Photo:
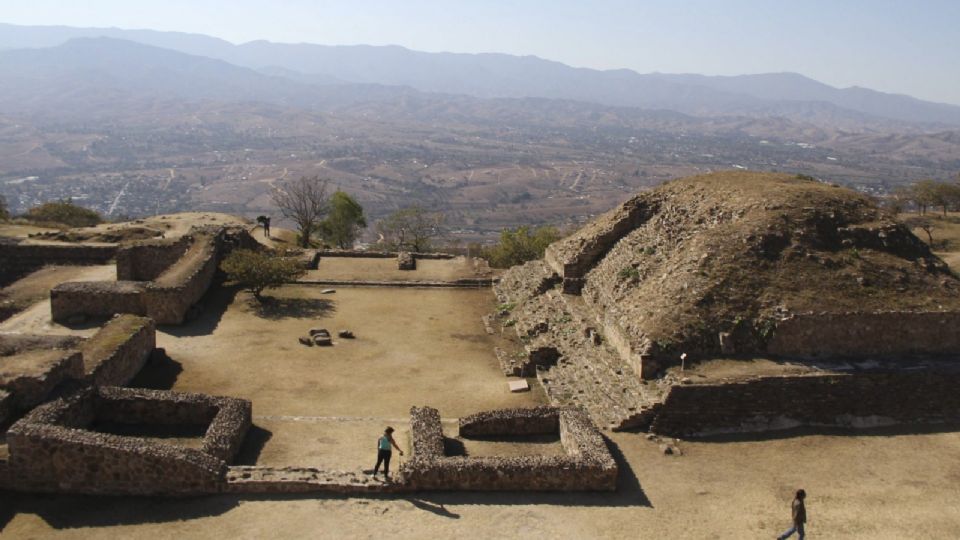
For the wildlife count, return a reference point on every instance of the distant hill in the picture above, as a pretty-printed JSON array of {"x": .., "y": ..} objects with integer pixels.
[
  {"x": 500, "y": 75},
  {"x": 105, "y": 76}
]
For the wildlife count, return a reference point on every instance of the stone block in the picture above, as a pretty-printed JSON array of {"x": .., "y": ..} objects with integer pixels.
[
  {"x": 519, "y": 386},
  {"x": 406, "y": 261}
]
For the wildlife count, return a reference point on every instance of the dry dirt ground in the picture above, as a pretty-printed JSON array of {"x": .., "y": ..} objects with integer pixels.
[{"x": 325, "y": 406}]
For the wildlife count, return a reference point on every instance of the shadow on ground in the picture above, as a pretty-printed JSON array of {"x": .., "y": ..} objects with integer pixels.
[
  {"x": 211, "y": 309},
  {"x": 806, "y": 431},
  {"x": 159, "y": 373},
  {"x": 276, "y": 309},
  {"x": 252, "y": 446},
  {"x": 73, "y": 511}
]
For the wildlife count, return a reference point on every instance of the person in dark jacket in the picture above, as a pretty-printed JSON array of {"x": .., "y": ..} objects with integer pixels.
[{"x": 799, "y": 512}]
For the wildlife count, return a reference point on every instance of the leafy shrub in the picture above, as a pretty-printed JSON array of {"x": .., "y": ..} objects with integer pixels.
[
  {"x": 259, "y": 270},
  {"x": 64, "y": 212},
  {"x": 517, "y": 246},
  {"x": 628, "y": 273}
]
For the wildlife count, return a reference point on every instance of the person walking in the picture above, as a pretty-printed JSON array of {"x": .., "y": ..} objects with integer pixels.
[
  {"x": 799, "y": 513},
  {"x": 385, "y": 445}
]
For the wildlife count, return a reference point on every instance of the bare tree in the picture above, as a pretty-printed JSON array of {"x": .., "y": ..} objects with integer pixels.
[
  {"x": 412, "y": 228},
  {"x": 305, "y": 202}
]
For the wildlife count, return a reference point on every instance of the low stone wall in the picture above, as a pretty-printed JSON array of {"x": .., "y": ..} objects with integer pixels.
[
  {"x": 115, "y": 354},
  {"x": 96, "y": 299},
  {"x": 535, "y": 421},
  {"x": 588, "y": 465},
  {"x": 167, "y": 298},
  {"x": 31, "y": 376},
  {"x": 52, "y": 451},
  {"x": 866, "y": 335},
  {"x": 380, "y": 254},
  {"x": 273, "y": 480},
  {"x": 19, "y": 259},
  {"x": 183, "y": 285},
  {"x": 147, "y": 260},
  {"x": 11, "y": 344},
  {"x": 922, "y": 394}
]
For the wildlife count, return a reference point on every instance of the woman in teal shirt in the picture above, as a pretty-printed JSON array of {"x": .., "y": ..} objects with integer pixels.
[{"x": 384, "y": 451}]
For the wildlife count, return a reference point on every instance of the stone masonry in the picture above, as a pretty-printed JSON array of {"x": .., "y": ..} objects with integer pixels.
[
  {"x": 588, "y": 465},
  {"x": 52, "y": 449}
]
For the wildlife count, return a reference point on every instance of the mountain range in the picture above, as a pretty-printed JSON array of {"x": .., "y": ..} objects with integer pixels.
[{"x": 36, "y": 61}]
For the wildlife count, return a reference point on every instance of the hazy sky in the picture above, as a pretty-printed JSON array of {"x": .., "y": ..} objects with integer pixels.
[{"x": 910, "y": 47}]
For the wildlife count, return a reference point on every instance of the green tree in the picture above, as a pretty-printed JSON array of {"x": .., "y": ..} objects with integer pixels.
[
  {"x": 259, "y": 270},
  {"x": 517, "y": 246},
  {"x": 344, "y": 221},
  {"x": 411, "y": 229},
  {"x": 64, "y": 212},
  {"x": 4, "y": 212}
]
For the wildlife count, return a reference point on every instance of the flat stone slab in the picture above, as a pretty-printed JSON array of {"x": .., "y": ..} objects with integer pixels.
[
  {"x": 519, "y": 386},
  {"x": 252, "y": 479}
]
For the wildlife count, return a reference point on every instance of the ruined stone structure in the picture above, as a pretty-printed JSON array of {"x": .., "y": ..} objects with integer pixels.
[
  {"x": 587, "y": 465},
  {"x": 721, "y": 265},
  {"x": 160, "y": 279},
  {"x": 115, "y": 354},
  {"x": 56, "y": 448},
  {"x": 33, "y": 367},
  {"x": 18, "y": 258},
  {"x": 839, "y": 395}
]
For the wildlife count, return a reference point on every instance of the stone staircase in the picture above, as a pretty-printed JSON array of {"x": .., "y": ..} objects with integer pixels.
[
  {"x": 573, "y": 364},
  {"x": 597, "y": 380}
]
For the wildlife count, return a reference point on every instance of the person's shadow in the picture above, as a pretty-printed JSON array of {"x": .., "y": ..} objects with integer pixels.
[{"x": 433, "y": 508}]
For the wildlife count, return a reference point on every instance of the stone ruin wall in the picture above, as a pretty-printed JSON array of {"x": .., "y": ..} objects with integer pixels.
[
  {"x": 167, "y": 302},
  {"x": 147, "y": 260},
  {"x": 52, "y": 451},
  {"x": 354, "y": 254},
  {"x": 866, "y": 335},
  {"x": 572, "y": 257},
  {"x": 535, "y": 421},
  {"x": 28, "y": 390},
  {"x": 856, "y": 399},
  {"x": 96, "y": 299},
  {"x": 588, "y": 465},
  {"x": 115, "y": 354},
  {"x": 19, "y": 259},
  {"x": 165, "y": 299}
]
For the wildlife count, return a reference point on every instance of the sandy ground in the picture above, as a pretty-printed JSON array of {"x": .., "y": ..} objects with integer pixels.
[
  {"x": 386, "y": 270},
  {"x": 412, "y": 347},
  {"x": 36, "y": 318},
  {"x": 879, "y": 486},
  {"x": 325, "y": 406}
]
